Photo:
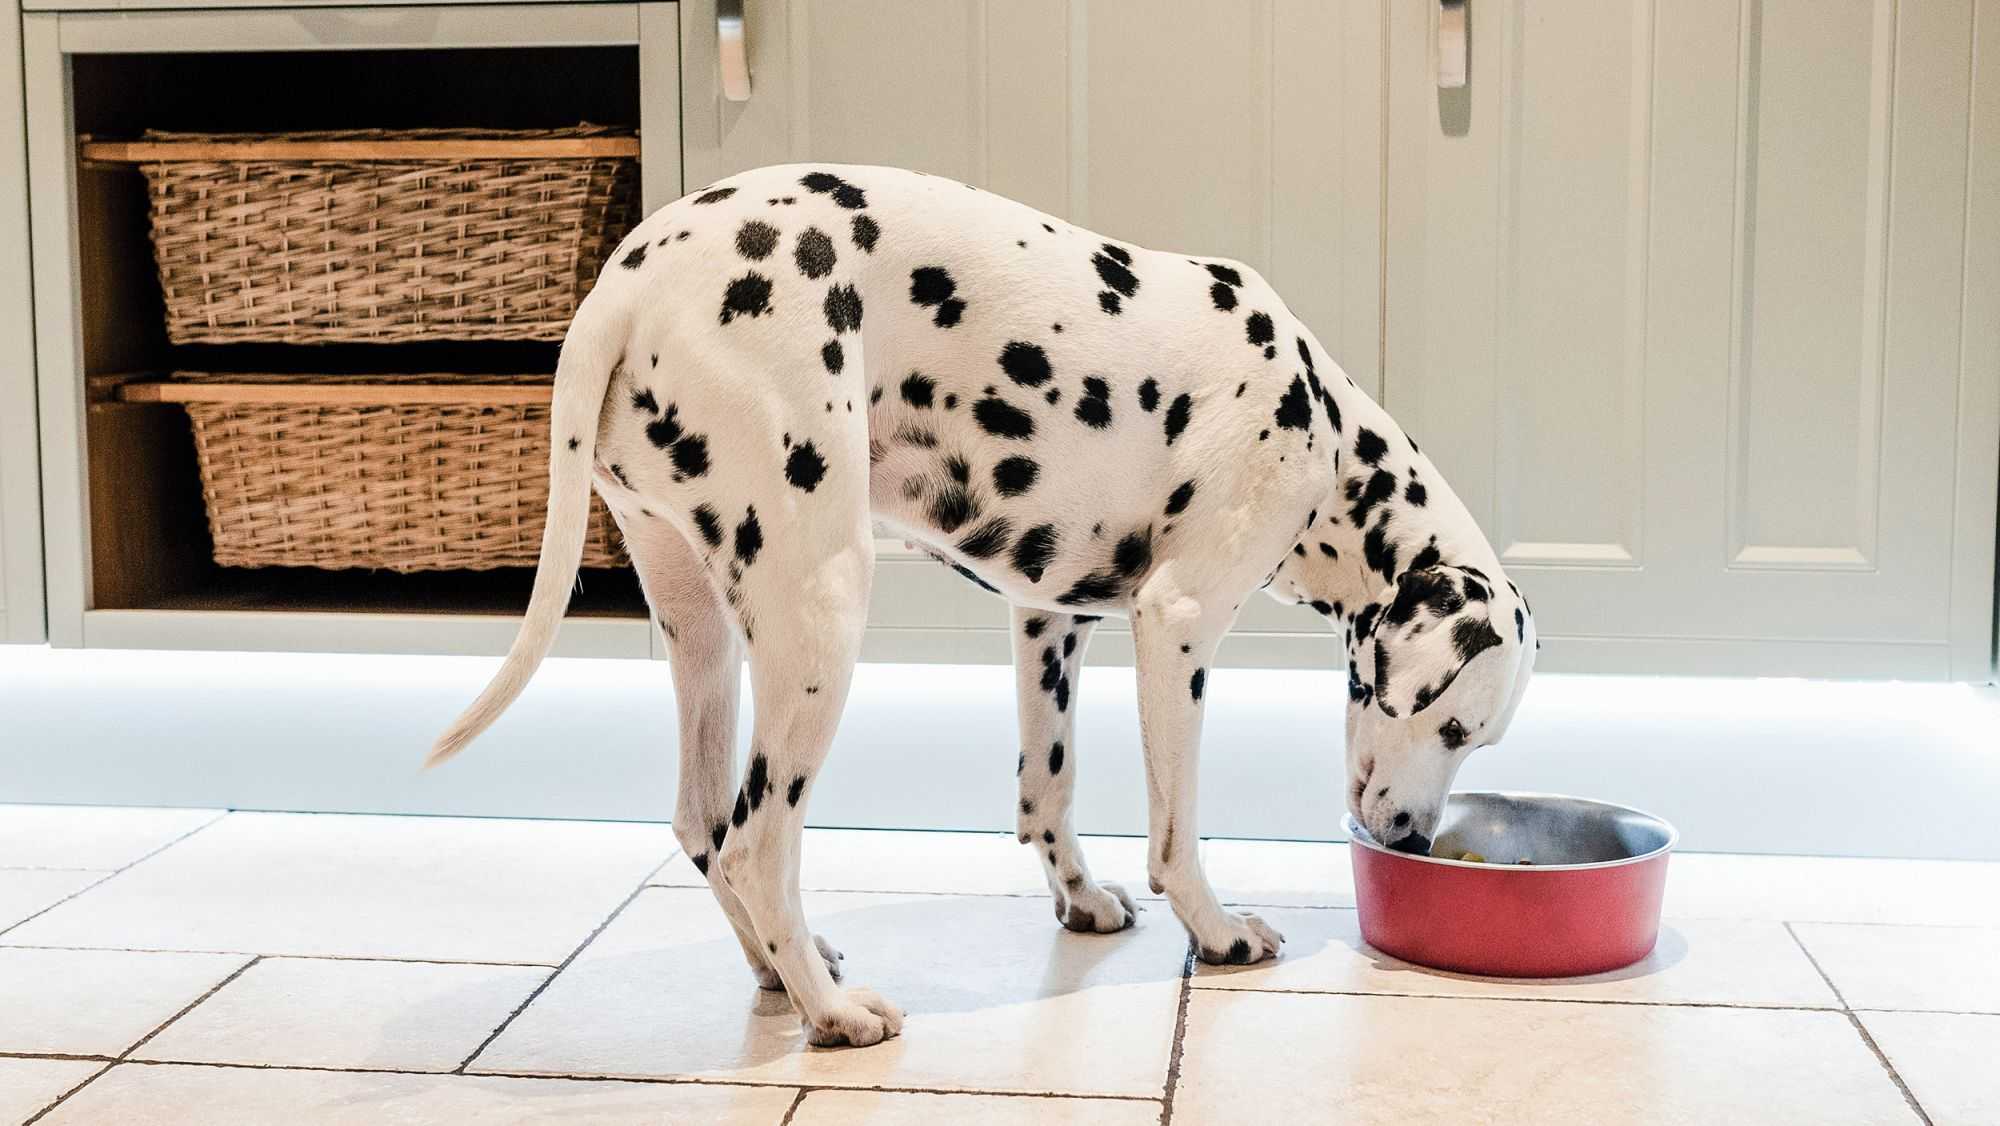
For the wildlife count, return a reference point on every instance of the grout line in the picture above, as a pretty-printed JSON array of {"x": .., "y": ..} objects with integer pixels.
[
  {"x": 188, "y": 1008},
  {"x": 115, "y": 871},
  {"x": 1027, "y": 893},
  {"x": 88, "y": 1080},
  {"x": 1847, "y": 1010},
  {"x": 644, "y": 883},
  {"x": 663, "y": 1080},
  {"x": 51, "y": 868},
  {"x": 1180, "y": 1035},
  {"x": 793, "y": 1109},
  {"x": 290, "y": 957}
]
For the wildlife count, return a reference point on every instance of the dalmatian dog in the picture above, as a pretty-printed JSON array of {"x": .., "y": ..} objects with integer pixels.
[{"x": 1083, "y": 427}]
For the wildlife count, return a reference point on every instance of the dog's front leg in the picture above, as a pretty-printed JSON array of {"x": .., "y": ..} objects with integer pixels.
[
  {"x": 1048, "y": 664},
  {"x": 1174, "y": 637}
]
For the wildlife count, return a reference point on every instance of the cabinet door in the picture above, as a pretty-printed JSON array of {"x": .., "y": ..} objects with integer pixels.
[
  {"x": 1248, "y": 130},
  {"x": 1685, "y": 299},
  {"x": 20, "y": 501}
]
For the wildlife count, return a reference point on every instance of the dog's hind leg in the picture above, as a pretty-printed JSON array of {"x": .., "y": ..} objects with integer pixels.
[
  {"x": 707, "y": 664},
  {"x": 805, "y": 584},
  {"x": 1048, "y": 664}
]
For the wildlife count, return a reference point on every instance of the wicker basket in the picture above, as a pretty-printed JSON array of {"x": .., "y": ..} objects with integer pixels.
[
  {"x": 381, "y": 235},
  {"x": 402, "y": 473}
]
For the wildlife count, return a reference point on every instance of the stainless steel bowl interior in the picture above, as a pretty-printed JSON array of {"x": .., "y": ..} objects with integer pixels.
[{"x": 1550, "y": 830}]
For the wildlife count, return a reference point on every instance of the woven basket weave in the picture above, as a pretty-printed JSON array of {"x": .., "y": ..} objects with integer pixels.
[
  {"x": 369, "y": 478},
  {"x": 424, "y": 242}
]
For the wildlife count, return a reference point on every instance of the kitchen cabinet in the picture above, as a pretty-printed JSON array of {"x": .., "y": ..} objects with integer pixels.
[
  {"x": 1696, "y": 306},
  {"x": 20, "y": 487}
]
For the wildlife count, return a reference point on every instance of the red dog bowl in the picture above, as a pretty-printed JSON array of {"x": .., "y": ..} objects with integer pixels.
[{"x": 1588, "y": 901}]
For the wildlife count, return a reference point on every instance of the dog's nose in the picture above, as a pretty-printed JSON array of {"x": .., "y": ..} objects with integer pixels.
[{"x": 1415, "y": 843}]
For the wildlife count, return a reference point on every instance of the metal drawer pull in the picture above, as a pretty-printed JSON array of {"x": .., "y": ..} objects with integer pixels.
[
  {"x": 731, "y": 52},
  {"x": 1451, "y": 44}
]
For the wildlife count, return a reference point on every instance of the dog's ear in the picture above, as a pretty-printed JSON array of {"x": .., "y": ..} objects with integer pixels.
[{"x": 1431, "y": 626}]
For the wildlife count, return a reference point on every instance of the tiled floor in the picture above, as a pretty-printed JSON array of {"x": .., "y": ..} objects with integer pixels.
[{"x": 187, "y": 966}]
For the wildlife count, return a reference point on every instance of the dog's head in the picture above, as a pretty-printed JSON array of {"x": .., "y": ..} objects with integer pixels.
[{"x": 1435, "y": 669}]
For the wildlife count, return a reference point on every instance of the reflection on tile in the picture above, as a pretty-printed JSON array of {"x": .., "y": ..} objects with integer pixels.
[
  {"x": 1949, "y": 969},
  {"x": 26, "y": 1086},
  {"x": 454, "y": 889},
  {"x": 936, "y": 863},
  {"x": 97, "y": 1002},
  {"x": 1703, "y": 961},
  {"x": 1000, "y": 998},
  {"x": 1254, "y": 1057},
  {"x": 903, "y": 1108},
  {"x": 173, "y": 1094},
  {"x": 1292, "y": 873},
  {"x": 89, "y": 836},
  {"x": 419, "y": 1016},
  {"x": 25, "y": 891},
  {"x": 1946, "y": 1059},
  {"x": 1833, "y": 889}
]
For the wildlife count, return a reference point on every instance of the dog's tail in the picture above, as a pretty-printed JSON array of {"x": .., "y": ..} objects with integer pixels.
[{"x": 590, "y": 355}]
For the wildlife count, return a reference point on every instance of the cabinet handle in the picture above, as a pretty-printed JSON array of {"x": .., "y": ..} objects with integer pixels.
[
  {"x": 730, "y": 50},
  {"x": 1451, "y": 44}
]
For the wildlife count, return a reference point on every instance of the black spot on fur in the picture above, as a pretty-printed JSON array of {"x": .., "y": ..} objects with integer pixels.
[
  {"x": 634, "y": 259},
  {"x": 865, "y": 233},
  {"x": 1178, "y": 502},
  {"x": 1380, "y": 550},
  {"x": 797, "y": 788},
  {"x": 747, "y": 296},
  {"x": 1521, "y": 626},
  {"x": 843, "y": 308},
  {"x": 1034, "y": 550},
  {"x": 1453, "y": 734},
  {"x": 1025, "y": 363},
  {"x": 690, "y": 457},
  {"x": 1015, "y": 475},
  {"x": 1002, "y": 419},
  {"x": 742, "y": 811},
  {"x": 1197, "y": 683},
  {"x": 756, "y": 240},
  {"x": 1055, "y": 758},
  {"x": 1472, "y": 636},
  {"x": 814, "y": 255},
  {"x": 1033, "y": 627},
  {"x": 833, "y": 356},
  {"x": 575, "y": 442},
  {"x": 1098, "y": 586},
  {"x": 716, "y": 196},
  {"x": 1295, "y": 410},
  {"x": 952, "y": 508},
  {"x": 1258, "y": 327},
  {"x": 805, "y": 468},
  {"x": 1426, "y": 557},
  {"x": 931, "y": 286},
  {"x": 1378, "y": 488},
  {"x": 1051, "y": 669},
  {"x": 1094, "y": 409},
  {"x": 1322, "y": 607},
  {"x": 1133, "y": 554},
  {"x": 1109, "y": 302},
  {"x": 917, "y": 389},
  {"x": 665, "y": 430},
  {"x": 988, "y": 541},
  {"x": 706, "y": 523},
  {"x": 701, "y": 863},
  {"x": 1416, "y": 494},
  {"x": 1149, "y": 395},
  {"x": 844, "y": 193},
  {"x": 718, "y": 834},
  {"x": 1426, "y": 589},
  {"x": 976, "y": 580},
  {"x": 759, "y": 782},
  {"x": 1113, "y": 267},
  {"x": 1223, "y": 296},
  {"x": 1369, "y": 446},
  {"x": 1224, "y": 274},
  {"x": 749, "y": 537},
  {"x": 1069, "y": 644},
  {"x": 1177, "y": 416},
  {"x": 1062, "y": 694}
]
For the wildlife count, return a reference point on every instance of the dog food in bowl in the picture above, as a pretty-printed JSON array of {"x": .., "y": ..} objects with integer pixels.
[{"x": 1518, "y": 885}]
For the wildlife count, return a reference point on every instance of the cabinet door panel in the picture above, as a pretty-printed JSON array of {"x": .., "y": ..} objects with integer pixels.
[{"x": 1675, "y": 299}]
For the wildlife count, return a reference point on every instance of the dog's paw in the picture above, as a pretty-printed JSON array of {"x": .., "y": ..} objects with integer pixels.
[
  {"x": 767, "y": 978},
  {"x": 1251, "y": 940},
  {"x": 861, "y": 1019},
  {"x": 1098, "y": 909}
]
